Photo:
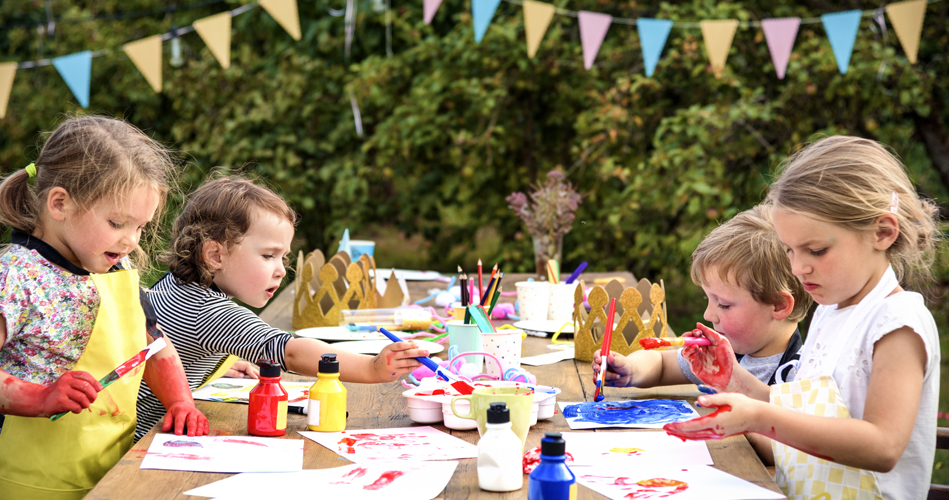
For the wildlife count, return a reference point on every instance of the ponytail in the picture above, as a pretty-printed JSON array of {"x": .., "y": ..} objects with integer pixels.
[{"x": 19, "y": 207}]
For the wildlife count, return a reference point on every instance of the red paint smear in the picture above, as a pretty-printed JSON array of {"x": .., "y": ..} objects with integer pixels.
[
  {"x": 436, "y": 392},
  {"x": 137, "y": 453},
  {"x": 384, "y": 480},
  {"x": 699, "y": 435},
  {"x": 183, "y": 456},
  {"x": 243, "y": 441},
  {"x": 131, "y": 363},
  {"x": 353, "y": 474},
  {"x": 301, "y": 398},
  {"x": 389, "y": 358},
  {"x": 532, "y": 458},
  {"x": 652, "y": 343}
]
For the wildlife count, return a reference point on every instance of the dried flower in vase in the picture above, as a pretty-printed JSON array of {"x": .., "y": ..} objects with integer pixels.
[{"x": 548, "y": 214}]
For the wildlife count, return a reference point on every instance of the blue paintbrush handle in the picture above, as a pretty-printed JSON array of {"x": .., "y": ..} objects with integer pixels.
[{"x": 431, "y": 365}]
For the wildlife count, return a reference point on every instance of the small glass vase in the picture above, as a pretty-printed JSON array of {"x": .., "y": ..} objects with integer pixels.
[{"x": 547, "y": 247}]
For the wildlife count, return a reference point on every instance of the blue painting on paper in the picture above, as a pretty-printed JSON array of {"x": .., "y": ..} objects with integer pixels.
[{"x": 645, "y": 413}]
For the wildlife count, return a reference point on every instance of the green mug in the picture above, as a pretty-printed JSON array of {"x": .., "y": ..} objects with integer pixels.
[{"x": 519, "y": 400}]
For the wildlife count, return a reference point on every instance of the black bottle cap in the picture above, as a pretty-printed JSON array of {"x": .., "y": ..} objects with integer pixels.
[
  {"x": 328, "y": 364},
  {"x": 553, "y": 444},
  {"x": 268, "y": 368},
  {"x": 498, "y": 413}
]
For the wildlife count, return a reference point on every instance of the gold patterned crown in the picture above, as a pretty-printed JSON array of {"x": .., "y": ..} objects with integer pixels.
[
  {"x": 638, "y": 319},
  {"x": 320, "y": 297}
]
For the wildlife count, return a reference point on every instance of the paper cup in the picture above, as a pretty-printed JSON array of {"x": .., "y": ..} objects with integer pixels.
[
  {"x": 506, "y": 346},
  {"x": 533, "y": 299},
  {"x": 359, "y": 247},
  {"x": 468, "y": 339},
  {"x": 561, "y": 302}
]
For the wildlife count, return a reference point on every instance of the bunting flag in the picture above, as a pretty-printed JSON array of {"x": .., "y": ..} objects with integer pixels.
[
  {"x": 841, "y": 28},
  {"x": 537, "y": 17},
  {"x": 216, "y": 33},
  {"x": 780, "y": 35},
  {"x": 285, "y": 13},
  {"x": 593, "y": 28},
  {"x": 718, "y": 36},
  {"x": 907, "y": 18},
  {"x": 481, "y": 13},
  {"x": 652, "y": 37},
  {"x": 429, "y": 9},
  {"x": 76, "y": 70},
  {"x": 7, "y": 72},
  {"x": 146, "y": 54}
]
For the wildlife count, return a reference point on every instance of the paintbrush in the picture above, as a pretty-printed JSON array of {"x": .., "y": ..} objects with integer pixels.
[
  {"x": 655, "y": 343},
  {"x": 124, "y": 368},
  {"x": 459, "y": 385},
  {"x": 605, "y": 351}
]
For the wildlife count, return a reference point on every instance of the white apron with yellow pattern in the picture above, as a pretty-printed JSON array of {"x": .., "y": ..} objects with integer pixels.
[
  {"x": 44, "y": 460},
  {"x": 814, "y": 392}
]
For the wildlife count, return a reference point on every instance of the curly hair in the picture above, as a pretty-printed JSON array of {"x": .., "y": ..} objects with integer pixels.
[{"x": 221, "y": 210}]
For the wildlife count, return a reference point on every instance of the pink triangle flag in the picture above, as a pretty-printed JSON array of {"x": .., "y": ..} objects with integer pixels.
[
  {"x": 593, "y": 27},
  {"x": 780, "y": 34},
  {"x": 429, "y": 8}
]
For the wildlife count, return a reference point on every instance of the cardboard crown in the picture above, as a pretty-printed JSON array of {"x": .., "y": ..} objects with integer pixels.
[{"x": 638, "y": 319}]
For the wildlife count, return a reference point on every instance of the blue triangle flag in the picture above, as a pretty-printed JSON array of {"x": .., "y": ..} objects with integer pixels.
[
  {"x": 841, "y": 28},
  {"x": 652, "y": 37},
  {"x": 481, "y": 13},
  {"x": 344, "y": 242},
  {"x": 76, "y": 70}
]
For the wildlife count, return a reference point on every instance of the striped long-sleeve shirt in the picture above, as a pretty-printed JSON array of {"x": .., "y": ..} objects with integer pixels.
[{"x": 205, "y": 326}]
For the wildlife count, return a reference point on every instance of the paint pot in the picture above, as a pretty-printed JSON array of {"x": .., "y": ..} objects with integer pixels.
[
  {"x": 327, "y": 412},
  {"x": 552, "y": 479},
  {"x": 267, "y": 403},
  {"x": 499, "y": 452},
  {"x": 458, "y": 423},
  {"x": 545, "y": 397}
]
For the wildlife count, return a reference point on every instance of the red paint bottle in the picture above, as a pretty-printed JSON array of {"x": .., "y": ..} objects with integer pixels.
[{"x": 267, "y": 411}]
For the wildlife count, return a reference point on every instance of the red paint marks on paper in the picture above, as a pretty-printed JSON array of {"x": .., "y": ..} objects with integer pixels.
[
  {"x": 348, "y": 478},
  {"x": 675, "y": 429},
  {"x": 243, "y": 441},
  {"x": 384, "y": 480},
  {"x": 182, "y": 456}
]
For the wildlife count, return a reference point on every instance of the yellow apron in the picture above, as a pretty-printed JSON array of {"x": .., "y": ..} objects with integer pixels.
[
  {"x": 806, "y": 477},
  {"x": 40, "y": 459}
]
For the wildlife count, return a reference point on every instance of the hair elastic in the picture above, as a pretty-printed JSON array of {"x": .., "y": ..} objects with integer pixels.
[
  {"x": 895, "y": 204},
  {"x": 30, "y": 170}
]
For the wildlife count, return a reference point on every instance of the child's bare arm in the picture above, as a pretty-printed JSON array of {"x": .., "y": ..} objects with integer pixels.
[
  {"x": 640, "y": 369},
  {"x": 395, "y": 360},
  {"x": 165, "y": 376},
  {"x": 874, "y": 442}
]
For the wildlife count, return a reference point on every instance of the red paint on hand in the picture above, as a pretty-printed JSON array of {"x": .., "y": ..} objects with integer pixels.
[
  {"x": 74, "y": 391},
  {"x": 712, "y": 364},
  {"x": 165, "y": 377},
  {"x": 675, "y": 429}
]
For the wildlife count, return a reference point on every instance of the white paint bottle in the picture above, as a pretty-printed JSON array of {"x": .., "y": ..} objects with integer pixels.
[{"x": 499, "y": 452}]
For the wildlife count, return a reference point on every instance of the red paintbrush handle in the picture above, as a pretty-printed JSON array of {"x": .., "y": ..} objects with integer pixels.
[{"x": 608, "y": 336}]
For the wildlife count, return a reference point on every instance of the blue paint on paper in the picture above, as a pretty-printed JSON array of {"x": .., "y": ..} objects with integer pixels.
[{"x": 647, "y": 411}]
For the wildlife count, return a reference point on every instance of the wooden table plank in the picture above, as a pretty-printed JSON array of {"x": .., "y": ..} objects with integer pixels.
[{"x": 374, "y": 406}]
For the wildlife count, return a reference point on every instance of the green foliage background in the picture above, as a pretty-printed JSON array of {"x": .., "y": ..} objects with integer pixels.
[{"x": 452, "y": 127}]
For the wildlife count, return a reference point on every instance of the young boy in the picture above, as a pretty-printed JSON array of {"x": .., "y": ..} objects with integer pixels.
[{"x": 753, "y": 300}]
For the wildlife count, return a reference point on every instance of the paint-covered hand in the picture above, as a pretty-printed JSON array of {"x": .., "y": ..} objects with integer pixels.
[
  {"x": 184, "y": 416},
  {"x": 619, "y": 371},
  {"x": 243, "y": 369},
  {"x": 713, "y": 363},
  {"x": 74, "y": 391},
  {"x": 395, "y": 360},
  {"x": 734, "y": 414}
]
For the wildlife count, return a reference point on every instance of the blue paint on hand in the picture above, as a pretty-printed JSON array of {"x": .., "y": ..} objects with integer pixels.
[{"x": 648, "y": 411}]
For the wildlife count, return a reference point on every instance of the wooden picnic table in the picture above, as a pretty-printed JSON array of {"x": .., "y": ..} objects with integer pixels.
[{"x": 376, "y": 406}]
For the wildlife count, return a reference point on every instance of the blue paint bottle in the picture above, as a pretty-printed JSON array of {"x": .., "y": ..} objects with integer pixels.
[{"x": 552, "y": 479}]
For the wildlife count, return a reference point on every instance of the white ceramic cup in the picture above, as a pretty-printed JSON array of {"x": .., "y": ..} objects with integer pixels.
[
  {"x": 504, "y": 345},
  {"x": 561, "y": 302},
  {"x": 533, "y": 300}
]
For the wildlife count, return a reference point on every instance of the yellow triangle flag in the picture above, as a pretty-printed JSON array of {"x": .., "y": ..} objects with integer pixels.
[
  {"x": 718, "y": 36},
  {"x": 907, "y": 18},
  {"x": 146, "y": 54},
  {"x": 537, "y": 16},
  {"x": 7, "y": 71},
  {"x": 285, "y": 13},
  {"x": 216, "y": 33}
]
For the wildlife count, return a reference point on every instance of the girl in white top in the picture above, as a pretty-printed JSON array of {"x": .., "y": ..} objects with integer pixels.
[{"x": 854, "y": 228}]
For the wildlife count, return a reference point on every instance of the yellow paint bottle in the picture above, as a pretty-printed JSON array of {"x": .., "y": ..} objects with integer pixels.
[{"x": 327, "y": 412}]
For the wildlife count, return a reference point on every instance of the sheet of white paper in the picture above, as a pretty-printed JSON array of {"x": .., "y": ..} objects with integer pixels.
[
  {"x": 548, "y": 358},
  {"x": 635, "y": 449},
  {"x": 227, "y": 454},
  {"x": 699, "y": 482},
  {"x": 401, "y": 443},
  {"x": 633, "y": 414},
  {"x": 237, "y": 390},
  {"x": 375, "y": 481}
]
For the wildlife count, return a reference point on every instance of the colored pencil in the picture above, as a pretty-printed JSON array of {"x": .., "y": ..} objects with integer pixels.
[
  {"x": 494, "y": 301},
  {"x": 480, "y": 280},
  {"x": 484, "y": 298},
  {"x": 576, "y": 274},
  {"x": 605, "y": 350}
]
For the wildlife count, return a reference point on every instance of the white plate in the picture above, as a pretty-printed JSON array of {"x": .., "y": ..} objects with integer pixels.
[
  {"x": 376, "y": 346},
  {"x": 543, "y": 326},
  {"x": 336, "y": 333}
]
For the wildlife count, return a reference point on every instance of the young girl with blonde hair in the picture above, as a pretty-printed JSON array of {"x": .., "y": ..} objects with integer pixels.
[
  {"x": 859, "y": 419},
  {"x": 72, "y": 309}
]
